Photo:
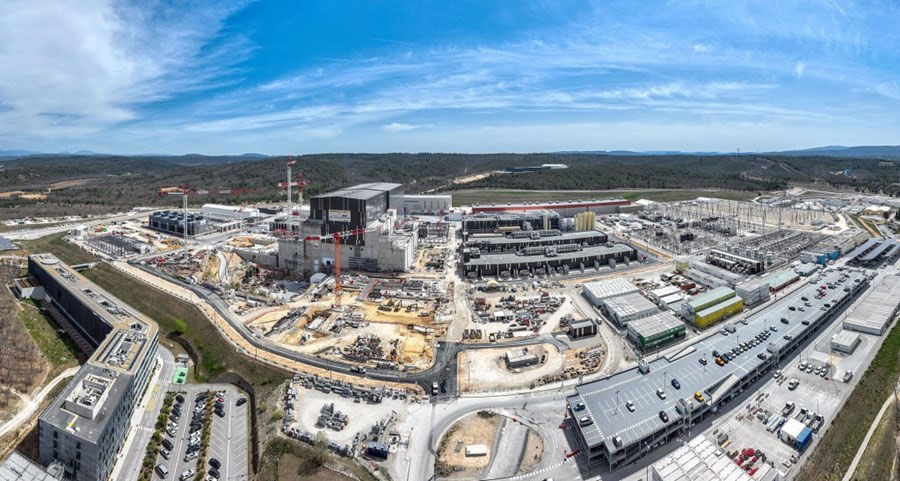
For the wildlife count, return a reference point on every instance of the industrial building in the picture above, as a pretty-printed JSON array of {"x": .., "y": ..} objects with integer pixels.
[
  {"x": 365, "y": 217},
  {"x": 549, "y": 260},
  {"x": 710, "y": 307},
  {"x": 598, "y": 291},
  {"x": 229, "y": 213},
  {"x": 735, "y": 262},
  {"x": 779, "y": 280},
  {"x": 567, "y": 208},
  {"x": 84, "y": 427},
  {"x": 585, "y": 328},
  {"x": 806, "y": 269},
  {"x": 655, "y": 331},
  {"x": 519, "y": 358},
  {"x": 658, "y": 294},
  {"x": 877, "y": 309},
  {"x": 753, "y": 291},
  {"x": 845, "y": 341},
  {"x": 628, "y": 307},
  {"x": 173, "y": 222},
  {"x": 607, "y": 434},
  {"x": 426, "y": 204},
  {"x": 486, "y": 223},
  {"x": 520, "y": 240}
]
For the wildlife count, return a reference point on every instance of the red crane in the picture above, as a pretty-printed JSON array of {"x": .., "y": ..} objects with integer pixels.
[
  {"x": 188, "y": 191},
  {"x": 337, "y": 238},
  {"x": 300, "y": 182}
]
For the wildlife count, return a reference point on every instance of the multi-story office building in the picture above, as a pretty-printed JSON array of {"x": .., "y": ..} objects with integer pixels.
[{"x": 85, "y": 426}]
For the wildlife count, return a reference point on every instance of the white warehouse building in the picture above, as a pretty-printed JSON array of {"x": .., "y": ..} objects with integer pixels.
[
  {"x": 426, "y": 204},
  {"x": 228, "y": 213}
]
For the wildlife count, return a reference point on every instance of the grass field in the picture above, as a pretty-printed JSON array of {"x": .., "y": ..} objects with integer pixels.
[
  {"x": 876, "y": 462},
  {"x": 839, "y": 443},
  {"x": 58, "y": 349},
  {"x": 54, "y": 244},
  {"x": 487, "y": 196},
  {"x": 174, "y": 316}
]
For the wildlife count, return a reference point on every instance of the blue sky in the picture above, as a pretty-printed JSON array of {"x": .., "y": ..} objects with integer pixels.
[{"x": 219, "y": 77}]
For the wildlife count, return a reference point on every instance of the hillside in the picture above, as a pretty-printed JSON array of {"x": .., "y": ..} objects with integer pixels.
[{"x": 55, "y": 185}]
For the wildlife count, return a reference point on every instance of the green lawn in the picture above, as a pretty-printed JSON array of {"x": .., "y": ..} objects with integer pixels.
[
  {"x": 487, "y": 196},
  {"x": 839, "y": 443},
  {"x": 57, "y": 347},
  {"x": 54, "y": 244},
  {"x": 174, "y": 316}
]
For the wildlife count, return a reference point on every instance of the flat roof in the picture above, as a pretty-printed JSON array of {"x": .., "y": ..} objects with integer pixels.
[
  {"x": 563, "y": 204},
  {"x": 605, "y": 288},
  {"x": 658, "y": 323},
  {"x": 862, "y": 248},
  {"x": 710, "y": 296},
  {"x": 875, "y": 310},
  {"x": 489, "y": 259},
  {"x": 117, "y": 356},
  {"x": 601, "y": 396},
  {"x": 721, "y": 305},
  {"x": 629, "y": 304},
  {"x": 781, "y": 278},
  {"x": 362, "y": 191},
  {"x": 845, "y": 337},
  {"x": 19, "y": 468},
  {"x": 497, "y": 239},
  {"x": 7, "y": 245}
]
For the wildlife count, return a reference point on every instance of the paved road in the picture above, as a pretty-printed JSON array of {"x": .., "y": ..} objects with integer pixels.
[
  {"x": 132, "y": 454},
  {"x": 30, "y": 404}
]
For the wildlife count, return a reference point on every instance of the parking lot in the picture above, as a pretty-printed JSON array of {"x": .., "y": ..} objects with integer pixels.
[
  {"x": 228, "y": 436},
  {"x": 756, "y": 422}
]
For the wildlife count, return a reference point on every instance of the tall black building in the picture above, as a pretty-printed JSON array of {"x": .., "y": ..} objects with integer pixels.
[{"x": 354, "y": 207}]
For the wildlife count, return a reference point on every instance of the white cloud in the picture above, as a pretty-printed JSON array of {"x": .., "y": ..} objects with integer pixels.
[
  {"x": 74, "y": 68},
  {"x": 400, "y": 127},
  {"x": 799, "y": 69}
]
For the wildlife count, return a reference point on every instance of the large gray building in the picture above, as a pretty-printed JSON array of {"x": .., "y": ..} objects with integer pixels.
[
  {"x": 84, "y": 428},
  {"x": 612, "y": 434}
]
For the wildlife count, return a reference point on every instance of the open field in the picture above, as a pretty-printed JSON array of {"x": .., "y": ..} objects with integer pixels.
[
  {"x": 178, "y": 318},
  {"x": 54, "y": 244},
  {"x": 839, "y": 443},
  {"x": 487, "y": 196}
]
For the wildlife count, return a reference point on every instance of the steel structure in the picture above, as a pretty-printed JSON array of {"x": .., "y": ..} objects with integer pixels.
[{"x": 188, "y": 191}]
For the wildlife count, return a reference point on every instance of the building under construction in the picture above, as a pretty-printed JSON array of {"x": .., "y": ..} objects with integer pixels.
[{"x": 360, "y": 223}]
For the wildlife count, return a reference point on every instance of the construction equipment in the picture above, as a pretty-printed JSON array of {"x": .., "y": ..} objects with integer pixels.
[
  {"x": 188, "y": 191},
  {"x": 287, "y": 184},
  {"x": 337, "y": 238}
]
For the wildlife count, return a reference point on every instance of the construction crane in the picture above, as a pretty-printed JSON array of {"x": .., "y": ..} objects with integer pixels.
[
  {"x": 337, "y": 238},
  {"x": 300, "y": 182},
  {"x": 187, "y": 191}
]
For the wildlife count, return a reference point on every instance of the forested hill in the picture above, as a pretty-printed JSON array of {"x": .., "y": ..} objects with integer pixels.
[{"x": 88, "y": 184}]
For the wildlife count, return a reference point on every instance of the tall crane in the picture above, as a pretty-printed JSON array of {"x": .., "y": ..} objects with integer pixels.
[
  {"x": 188, "y": 191},
  {"x": 300, "y": 182},
  {"x": 337, "y": 238}
]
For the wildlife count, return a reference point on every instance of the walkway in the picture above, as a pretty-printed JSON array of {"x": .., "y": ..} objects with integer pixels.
[
  {"x": 31, "y": 403},
  {"x": 862, "y": 448}
]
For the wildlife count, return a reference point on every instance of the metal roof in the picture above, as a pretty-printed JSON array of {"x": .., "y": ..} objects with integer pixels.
[
  {"x": 877, "y": 308},
  {"x": 362, "y": 191},
  {"x": 722, "y": 305},
  {"x": 710, "y": 296},
  {"x": 605, "y": 398},
  {"x": 629, "y": 304},
  {"x": 871, "y": 256},
  {"x": 658, "y": 323},
  {"x": 7, "y": 245},
  {"x": 606, "y": 288},
  {"x": 779, "y": 279}
]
